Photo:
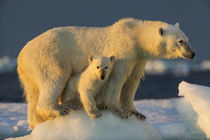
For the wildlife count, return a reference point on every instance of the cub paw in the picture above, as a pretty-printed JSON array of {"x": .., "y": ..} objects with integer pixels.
[{"x": 94, "y": 113}]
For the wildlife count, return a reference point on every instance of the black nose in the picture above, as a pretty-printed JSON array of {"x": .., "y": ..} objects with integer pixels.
[
  {"x": 102, "y": 77},
  {"x": 193, "y": 55}
]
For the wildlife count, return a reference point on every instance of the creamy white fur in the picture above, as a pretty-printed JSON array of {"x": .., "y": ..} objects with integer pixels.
[
  {"x": 89, "y": 85},
  {"x": 47, "y": 62}
]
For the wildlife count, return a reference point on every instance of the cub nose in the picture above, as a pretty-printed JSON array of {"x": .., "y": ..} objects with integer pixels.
[
  {"x": 103, "y": 74},
  {"x": 102, "y": 77}
]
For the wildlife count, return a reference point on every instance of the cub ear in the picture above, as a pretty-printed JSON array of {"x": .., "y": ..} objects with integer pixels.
[
  {"x": 177, "y": 25},
  {"x": 161, "y": 31},
  {"x": 112, "y": 58},
  {"x": 90, "y": 58}
]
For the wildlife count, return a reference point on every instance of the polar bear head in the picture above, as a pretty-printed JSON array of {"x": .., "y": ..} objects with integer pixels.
[
  {"x": 175, "y": 43},
  {"x": 162, "y": 40},
  {"x": 101, "y": 66},
  {"x": 156, "y": 39}
]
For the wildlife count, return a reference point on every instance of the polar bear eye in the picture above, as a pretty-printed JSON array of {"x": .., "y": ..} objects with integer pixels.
[
  {"x": 181, "y": 41},
  {"x": 106, "y": 67},
  {"x": 97, "y": 67}
]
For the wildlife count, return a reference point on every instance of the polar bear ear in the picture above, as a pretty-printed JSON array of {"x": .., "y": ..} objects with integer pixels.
[
  {"x": 90, "y": 58},
  {"x": 177, "y": 25},
  {"x": 112, "y": 58},
  {"x": 161, "y": 31}
]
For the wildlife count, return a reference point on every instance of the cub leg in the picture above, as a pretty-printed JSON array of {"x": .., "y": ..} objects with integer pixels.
[{"x": 89, "y": 104}]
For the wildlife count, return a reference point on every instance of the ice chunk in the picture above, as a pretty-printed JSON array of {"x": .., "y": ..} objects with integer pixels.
[
  {"x": 205, "y": 65},
  {"x": 163, "y": 67},
  {"x": 155, "y": 67},
  {"x": 7, "y": 64},
  {"x": 199, "y": 97},
  {"x": 78, "y": 126}
]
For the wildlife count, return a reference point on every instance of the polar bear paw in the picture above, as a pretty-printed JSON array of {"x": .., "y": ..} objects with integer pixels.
[
  {"x": 102, "y": 107},
  {"x": 64, "y": 110},
  {"x": 127, "y": 112},
  {"x": 121, "y": 112},
  {"x": 72, "y": 105},
  {"x": 139, "y": 115}
]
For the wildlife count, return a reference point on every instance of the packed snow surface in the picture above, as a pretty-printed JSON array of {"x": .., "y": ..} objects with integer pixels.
[
  {"x": 13, "y": 120},
  {"x": 161, "y": 114},
  {"x": 184, "y": 118},
  {"x": 79, "y": 126},
  {"x": 199, "y": 98}
]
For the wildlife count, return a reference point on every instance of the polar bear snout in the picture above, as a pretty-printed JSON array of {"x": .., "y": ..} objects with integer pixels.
[
  {"x": 189, "y": 55},
  {"x": 186, "y": 49},
  {"x": 192, "y": 55}
]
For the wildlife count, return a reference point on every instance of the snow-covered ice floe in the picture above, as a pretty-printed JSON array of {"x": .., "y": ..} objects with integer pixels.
[
  {"x": 185, "y": 118},
  {"x": 161, "y": 114},
  {"x": 165, "y": 117},
  {"x": 79, "y": 126},
  {"x": 197, "y": 97}
]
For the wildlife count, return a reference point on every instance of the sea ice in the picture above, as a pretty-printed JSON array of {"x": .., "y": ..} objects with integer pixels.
[
  {"x": 199, "y": 98},
  {"x": 78, "y": 126}
]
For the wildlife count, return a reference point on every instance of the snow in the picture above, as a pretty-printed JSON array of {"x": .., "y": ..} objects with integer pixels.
[
  {"x": 183, "y": 118},
  {"x": 162, "y": 114},
  {"x": 199, "y": 98},
  {"x": 165, "y": 116},
  {"x": 13, "y": 120},
  {"x": 79, "y": 126}
]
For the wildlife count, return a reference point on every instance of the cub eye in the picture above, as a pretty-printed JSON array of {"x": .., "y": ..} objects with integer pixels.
[
  {"x": 97, "y": 67},
  {"x": 181, "y": 41},
  {"x": 106, "y": 67}
]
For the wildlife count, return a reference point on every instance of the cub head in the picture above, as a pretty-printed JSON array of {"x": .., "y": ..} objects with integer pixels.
[
  {"x": 101, "y": 66},
  {"x": 175, "y": 43}
]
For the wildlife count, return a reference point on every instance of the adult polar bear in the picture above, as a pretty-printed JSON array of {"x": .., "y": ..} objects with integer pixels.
[{"x": 47, "y": 62}]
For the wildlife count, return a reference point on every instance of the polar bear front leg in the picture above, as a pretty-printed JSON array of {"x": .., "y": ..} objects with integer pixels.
[
  {"x": 89, "y": 104},
  {"x": 130, "y": 87},
  {"x": 128, "y": 94},
  {"x": 113, "y": 91}
]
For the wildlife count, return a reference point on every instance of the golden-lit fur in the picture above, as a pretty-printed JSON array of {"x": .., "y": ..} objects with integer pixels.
[
  {"x": 47, "y": 63},
  {"x": 91, "y": 83},
  {"x": 86, "y": 87}
]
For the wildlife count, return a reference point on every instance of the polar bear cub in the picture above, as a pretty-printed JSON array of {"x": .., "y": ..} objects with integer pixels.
[{"x": 92, "y": 81}]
